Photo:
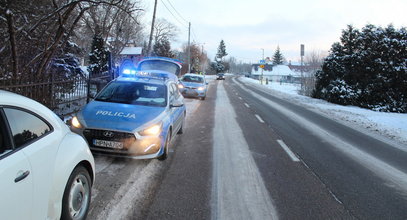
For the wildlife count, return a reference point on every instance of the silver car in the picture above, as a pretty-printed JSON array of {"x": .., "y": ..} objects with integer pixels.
[{"x": 193, "y": 85}]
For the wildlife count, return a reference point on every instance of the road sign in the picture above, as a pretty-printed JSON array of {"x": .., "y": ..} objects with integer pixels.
[
  {"x": 262, "y": 61},
  {"x": 262, "y": 66}
]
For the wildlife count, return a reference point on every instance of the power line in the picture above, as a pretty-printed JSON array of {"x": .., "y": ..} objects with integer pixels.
[
  {"x": 177, "y": 11},
  {"x": 194, "y": 35},
  {"x": 173, "y": 15}
]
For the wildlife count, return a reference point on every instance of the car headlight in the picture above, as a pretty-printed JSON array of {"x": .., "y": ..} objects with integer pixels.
[
  {"x": 75, "y": 122},
  {"x": 154, "y": 130},
  {"x": 180, "y": 86},
  {"x": 201, "y": 88}
]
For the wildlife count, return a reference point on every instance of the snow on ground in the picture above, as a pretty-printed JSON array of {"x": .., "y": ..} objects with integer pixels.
[{"x": 393, "y": 125}]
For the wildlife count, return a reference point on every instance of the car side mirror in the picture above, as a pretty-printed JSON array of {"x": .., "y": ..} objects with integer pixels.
[{"x": 176, "y": 104}]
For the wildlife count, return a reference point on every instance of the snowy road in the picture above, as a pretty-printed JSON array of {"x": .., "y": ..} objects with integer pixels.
[
  {"x": 365, "y": 173},
  {"x": 122, "y": 184},
  {"x": 249, "y": 154}
]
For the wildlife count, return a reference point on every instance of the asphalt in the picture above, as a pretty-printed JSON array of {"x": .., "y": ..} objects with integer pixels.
[
  {"x": 363, "y": 173},
  {"x": 230, "y": 164},
  {"x": 296, "y": 189},
  {"x": 185, "y": 188}
]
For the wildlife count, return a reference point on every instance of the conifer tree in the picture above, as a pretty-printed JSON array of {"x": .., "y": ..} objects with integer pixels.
[
  {"x": 278, "y": 57},
  {"x": 98, "y": 57},
  {"x": 163, "y": 48},
  {"x": 221, "y": 50},
  {"x": 368, "y": 68}
]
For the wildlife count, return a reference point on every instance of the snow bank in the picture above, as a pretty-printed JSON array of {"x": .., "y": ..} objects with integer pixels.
[
  {"x": 279, "y": 70},
  {"x": 392, "y": 125}
]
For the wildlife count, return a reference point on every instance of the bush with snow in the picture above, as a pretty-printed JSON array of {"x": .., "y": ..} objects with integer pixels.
[{"x": 367, "y": 68}]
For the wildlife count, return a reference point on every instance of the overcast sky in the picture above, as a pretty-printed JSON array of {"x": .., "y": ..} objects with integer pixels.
[{"x": 247, "y": 26}]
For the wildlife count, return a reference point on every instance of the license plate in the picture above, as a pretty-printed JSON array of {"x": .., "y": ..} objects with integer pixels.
[
  {"x": 108, "y": 144},
  {"x": 190, "y": 92}
]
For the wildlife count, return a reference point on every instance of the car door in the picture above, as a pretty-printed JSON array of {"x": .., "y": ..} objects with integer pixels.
[
  {"x": 177, "y": 112},
  {"x": 16, "y": 182},
  {"x": 38, "y": 141}
]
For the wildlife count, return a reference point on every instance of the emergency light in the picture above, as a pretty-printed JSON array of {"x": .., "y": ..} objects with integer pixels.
[{"x": 129, "y": 72}]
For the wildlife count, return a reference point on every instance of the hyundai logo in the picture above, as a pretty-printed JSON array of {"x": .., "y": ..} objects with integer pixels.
[{"x": 108, "y": 134}]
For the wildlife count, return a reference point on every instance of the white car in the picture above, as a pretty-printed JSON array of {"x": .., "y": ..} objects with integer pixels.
[{"x": 46, "y": 171}]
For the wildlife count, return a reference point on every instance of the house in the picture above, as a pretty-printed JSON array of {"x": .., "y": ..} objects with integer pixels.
[
  {"x": 278, "y": 73},
  {"x": 305, "y": 67}
]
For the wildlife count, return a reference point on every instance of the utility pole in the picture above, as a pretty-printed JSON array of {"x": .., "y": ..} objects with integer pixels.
[
  {"x": 189, "y": 48},
  {"x": 302, "y": 61},
  {"x": 261, "y": 78},
  {"x": 152, "y": 30}
]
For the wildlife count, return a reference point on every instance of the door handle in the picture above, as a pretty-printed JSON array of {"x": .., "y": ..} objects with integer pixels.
[{"x": 22, "y": 176}]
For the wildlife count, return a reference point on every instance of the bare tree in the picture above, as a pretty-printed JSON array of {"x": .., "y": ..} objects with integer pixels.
[
  {"x": 199, "y": 59},
  {"x": 33, "y": 32},
  {"x": 164, "y": 29},
  {"x": 313, "y": 63},
  {"x": 118, "y": 25}
]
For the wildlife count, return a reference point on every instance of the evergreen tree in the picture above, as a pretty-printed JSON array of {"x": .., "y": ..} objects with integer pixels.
[
  {"x": 218, "y": 66},
  {"x": 278, "y": 57},
  {"x": 66, "y": 66},
  {"x": 221, "y": 50},
  {"x": 163, "y": 48},
  {"x": 98, "y": 57},
  {"x": 368, "y": 68}
]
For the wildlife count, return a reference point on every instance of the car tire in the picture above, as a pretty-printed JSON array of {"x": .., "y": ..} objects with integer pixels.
[
  {"x": 77, "y": 195},
  {"x": 203, "y": 98},
  {"x": 166, "y": 147}
]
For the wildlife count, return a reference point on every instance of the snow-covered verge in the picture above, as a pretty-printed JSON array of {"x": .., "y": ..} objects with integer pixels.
[{"x": 392, "y": 125}]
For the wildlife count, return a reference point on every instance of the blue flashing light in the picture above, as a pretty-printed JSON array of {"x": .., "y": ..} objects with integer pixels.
[
  {"x": 126, "y": 71},
  {"x": 129, "y": 72}
]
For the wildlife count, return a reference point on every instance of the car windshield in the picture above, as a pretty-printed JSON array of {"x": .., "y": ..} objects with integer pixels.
[
  {"x": 135, "y": 93},
  {"x": 195, "y": 79},
  {"x": 159, "y": 65}
]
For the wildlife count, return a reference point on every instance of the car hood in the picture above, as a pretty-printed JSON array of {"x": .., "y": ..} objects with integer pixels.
[
  {"x": 118, "y": 116},
  {"x": 192, "y": 84}
]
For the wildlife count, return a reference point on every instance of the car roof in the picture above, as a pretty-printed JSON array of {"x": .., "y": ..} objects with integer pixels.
[
  {"x": 170, "y": 60},
  {"x": 16, "y": 100}
]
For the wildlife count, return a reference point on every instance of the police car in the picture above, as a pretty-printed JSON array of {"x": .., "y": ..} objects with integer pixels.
[{"x": 135, "y": 115}]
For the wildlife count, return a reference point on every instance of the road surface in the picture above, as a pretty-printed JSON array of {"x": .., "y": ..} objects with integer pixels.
[{"x": 248, "y": 154}]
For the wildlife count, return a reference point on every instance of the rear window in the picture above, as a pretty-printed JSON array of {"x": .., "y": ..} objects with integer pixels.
[{"x": 159, "y": 65}]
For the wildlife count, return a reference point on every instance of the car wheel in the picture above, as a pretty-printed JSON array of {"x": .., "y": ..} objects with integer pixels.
[
  {"x": 166, "y": 146},
  {"x": 203, "y": 98},
  {"x": 77, "y": 195}
]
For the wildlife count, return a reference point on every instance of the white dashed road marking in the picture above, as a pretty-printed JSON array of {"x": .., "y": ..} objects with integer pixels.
[
  {"x": 288, "y": 151},
  {"x": 259, "y": 118}
]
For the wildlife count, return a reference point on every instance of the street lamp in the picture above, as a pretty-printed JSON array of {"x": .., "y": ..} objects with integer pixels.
[{"x": 261, "y": 78}]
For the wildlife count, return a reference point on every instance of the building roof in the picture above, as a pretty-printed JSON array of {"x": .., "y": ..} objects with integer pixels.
[
  {"x": 131, "y": 51},
  {"x": 279, "y": 70}
]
